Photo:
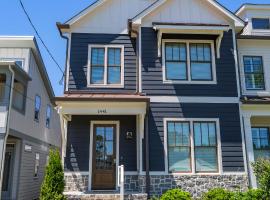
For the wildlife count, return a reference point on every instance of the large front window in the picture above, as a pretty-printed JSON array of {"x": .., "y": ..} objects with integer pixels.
[
  {"x": 106, "y": 66},
  {"x": 192, "y": 146},
  {"x": 260, "y": 23},
  {"x": 254, "y": 75},
  {"x": 189, "y": 62},
  {"x": 261, "y": 143}
]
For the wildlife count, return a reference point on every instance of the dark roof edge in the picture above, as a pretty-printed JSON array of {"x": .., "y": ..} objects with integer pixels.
[{"x": 253, "y": 37}]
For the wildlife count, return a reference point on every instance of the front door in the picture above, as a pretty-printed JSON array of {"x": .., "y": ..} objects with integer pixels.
[
  {"x": 104, "y": 157},
  {"x": 8, "y": 169}
]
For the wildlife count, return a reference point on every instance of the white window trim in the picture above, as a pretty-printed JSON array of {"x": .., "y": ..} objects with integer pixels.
[
  {"x": 92, "y": 123},
  {"x": 105, "y": 84},
  {"x": 260, "y": 92},
  {"x": 189, "y": 81},
  {"x": 191, "y": 121}
]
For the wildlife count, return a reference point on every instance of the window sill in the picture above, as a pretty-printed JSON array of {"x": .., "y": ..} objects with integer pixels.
[
  {"x": 190, "y": 82},
  {"x": 105, "y": 86}
]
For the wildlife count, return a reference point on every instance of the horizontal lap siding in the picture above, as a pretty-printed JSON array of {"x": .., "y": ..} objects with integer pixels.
[
  {"x": 152, "y": 82},
  {"x": 78, "y": 142},
  {"x": 79, "y": 58},
  {"x": 228, "y": 114}
]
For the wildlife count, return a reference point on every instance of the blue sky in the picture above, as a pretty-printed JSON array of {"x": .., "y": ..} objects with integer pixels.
[{"x": 44, "y": 14}]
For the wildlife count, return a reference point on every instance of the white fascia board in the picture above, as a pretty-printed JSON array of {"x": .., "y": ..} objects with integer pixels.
[
  {"x": 86, "y": 11},
  {"x": 187, "y": 27},
  {"x": 138, "y": 19},
  {"x": 252, "y": 7}
]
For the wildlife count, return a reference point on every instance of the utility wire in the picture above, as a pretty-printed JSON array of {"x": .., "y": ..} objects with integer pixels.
[{"x": 47, "y": 49}]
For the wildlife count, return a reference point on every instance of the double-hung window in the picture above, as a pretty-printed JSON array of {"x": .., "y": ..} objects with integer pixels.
[
  {"x": 189, "y": 62},
  {"x": 254, "y": 74},
  {"x": 192, "y": 146},
  {"x": 261, "y": 142},
  {"x": 19, "y": 96},
  {"x": 106, "y": 66}
]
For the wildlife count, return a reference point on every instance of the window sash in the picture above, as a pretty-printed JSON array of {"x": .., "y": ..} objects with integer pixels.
[
  {"x": 176, "y": 147},
  {"x": 112, "y": 64},
  {"x": 19, "y": 96},
  {"x": 2, "y": 87},
  {"x": 190, "y": 63},
  {"x": 252, "y": 71}
]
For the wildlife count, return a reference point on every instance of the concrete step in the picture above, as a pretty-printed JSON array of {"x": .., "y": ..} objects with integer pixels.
[{"x": 131, "y": 196}]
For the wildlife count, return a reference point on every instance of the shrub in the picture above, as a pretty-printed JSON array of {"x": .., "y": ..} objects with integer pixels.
[
  {"x": 262, "y": 172},
  {"x": 176, "y": 194},
  {"x": 217, "y": 194},
  {"x": 53, "y": 183}
]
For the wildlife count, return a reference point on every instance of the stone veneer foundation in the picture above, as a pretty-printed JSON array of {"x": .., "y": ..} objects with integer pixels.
[{"x": 195, "y": 184}]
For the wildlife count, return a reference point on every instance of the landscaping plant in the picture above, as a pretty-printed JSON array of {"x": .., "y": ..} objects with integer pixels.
[
  {"x": 262, "y": 172},
  {"x": 53, "y": 184},
  {"x": 176, "y": 194}
]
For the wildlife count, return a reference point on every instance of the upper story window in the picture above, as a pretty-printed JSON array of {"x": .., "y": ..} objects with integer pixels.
[
  {"x": 18, "y": 61},
  {"x": 37, "y": 107},
  {"x": 189, "y": 62},
  {"x": 48, "y": 116},
  {"x": 2, "y": 87},
  {"x": 192, "y": 146},
  {"x": 254, "y": 74},
  {"x": 260, "y": 23},
  {"x": 106, "y": 66},
  {"x": 19, "y": 96},
  {"x": 261, "y": 142}
]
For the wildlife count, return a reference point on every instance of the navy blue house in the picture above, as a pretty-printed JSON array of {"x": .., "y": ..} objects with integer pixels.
[{"x": 152, "y": 86}]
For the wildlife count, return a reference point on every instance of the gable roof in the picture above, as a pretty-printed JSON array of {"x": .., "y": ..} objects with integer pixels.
[
  {"x": 31, "y": 43},
  {"x": 85, "y": 11},
  {"x": 251, "y": 6},
  {"x": 156, "y": 4}
]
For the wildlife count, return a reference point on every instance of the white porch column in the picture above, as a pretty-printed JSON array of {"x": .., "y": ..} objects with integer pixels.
[
  {"x": 140, "y": 138},
  {"x": 249, "y": 148}
]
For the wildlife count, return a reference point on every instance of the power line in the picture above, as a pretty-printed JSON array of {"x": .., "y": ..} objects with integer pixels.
[{"x": 47, "y": 49}]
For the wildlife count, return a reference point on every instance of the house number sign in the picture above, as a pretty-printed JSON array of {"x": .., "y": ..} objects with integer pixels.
[{"x": 102, "y": 111}]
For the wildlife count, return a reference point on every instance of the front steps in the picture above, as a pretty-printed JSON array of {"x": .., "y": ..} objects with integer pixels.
[{"x": 105, "y": 196}]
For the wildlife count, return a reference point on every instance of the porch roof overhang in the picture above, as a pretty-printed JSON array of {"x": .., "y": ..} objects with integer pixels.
[
  {"x": 185, "y": 28},
  {"x": 102, "y": 104}
]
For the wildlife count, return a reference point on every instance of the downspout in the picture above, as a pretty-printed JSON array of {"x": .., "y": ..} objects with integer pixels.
[
  {"x": 7, "y": 127},
  {"x": 147, "y": 161}
]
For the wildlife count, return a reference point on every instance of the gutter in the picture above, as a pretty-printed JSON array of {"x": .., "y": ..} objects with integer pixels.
[{"x": 7, "y": 127}]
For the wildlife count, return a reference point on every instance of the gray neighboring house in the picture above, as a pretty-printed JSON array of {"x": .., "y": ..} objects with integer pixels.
[{"x": 29, "y": 124}]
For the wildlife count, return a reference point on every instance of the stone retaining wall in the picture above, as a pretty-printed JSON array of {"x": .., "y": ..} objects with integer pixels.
[{"x": 195, "y": 184}]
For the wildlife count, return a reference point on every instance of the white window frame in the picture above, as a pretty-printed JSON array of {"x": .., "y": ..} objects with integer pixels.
[
  {"x": 189, "y": 80},
  {"x": 191, "y": 122},
  {"x": 243, "y": 76},
  {"x": 105, "y": 84}
]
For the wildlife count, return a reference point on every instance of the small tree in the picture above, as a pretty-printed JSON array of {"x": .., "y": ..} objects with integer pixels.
[
  {"x": 262, "y": 172},
  {"x": 53, "y": 183}
]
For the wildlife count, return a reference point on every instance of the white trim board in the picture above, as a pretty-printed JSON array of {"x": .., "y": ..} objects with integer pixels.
[
  {"x": 92, "y": 123},
  {"x": 189, "y": 99}
]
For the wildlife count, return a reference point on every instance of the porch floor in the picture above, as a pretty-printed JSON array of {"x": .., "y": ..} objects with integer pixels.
[{"x": 106, "y": 195}]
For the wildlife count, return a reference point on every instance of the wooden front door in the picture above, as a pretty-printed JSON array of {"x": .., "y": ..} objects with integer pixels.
[{"x": 104, "y": 157}]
